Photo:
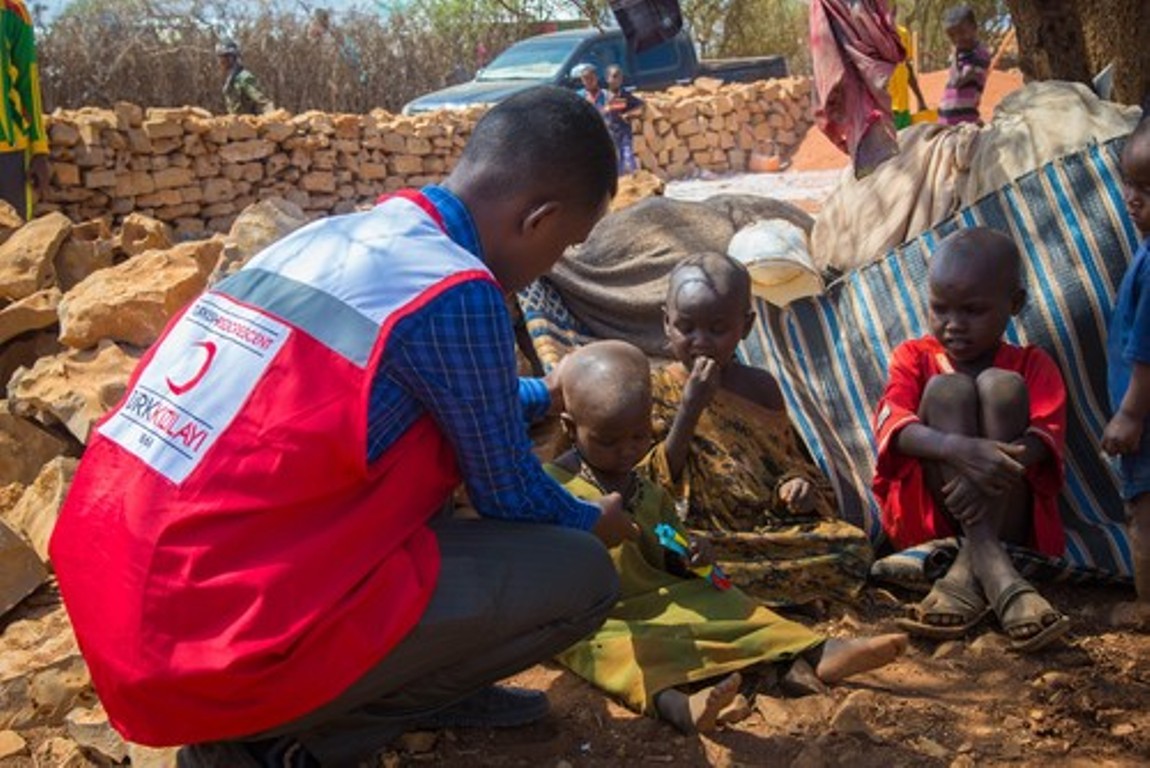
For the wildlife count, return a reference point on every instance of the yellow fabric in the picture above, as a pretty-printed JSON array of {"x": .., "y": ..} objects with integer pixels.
[
  {"x": 665, "y": 630},
  {"x": 740, "y": 454},
  {"x": 899, "y": 83}
]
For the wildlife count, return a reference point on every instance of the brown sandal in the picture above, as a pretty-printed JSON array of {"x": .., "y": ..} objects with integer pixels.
[{"x": 950, "y": 599}]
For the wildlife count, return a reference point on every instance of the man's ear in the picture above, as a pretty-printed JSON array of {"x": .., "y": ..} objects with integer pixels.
[
  {"x": 538, "y": 216},
  {"x": 568, "y": 425},
  {"x": 1017, "y": 301},
  {"x": 748, "y": 324}
]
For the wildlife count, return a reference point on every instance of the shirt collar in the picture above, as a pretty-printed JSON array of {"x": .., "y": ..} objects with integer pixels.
[{"x": 456, "y": 219}]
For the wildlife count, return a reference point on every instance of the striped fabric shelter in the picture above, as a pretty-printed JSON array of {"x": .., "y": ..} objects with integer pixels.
[{"x": 830, "y": 353}]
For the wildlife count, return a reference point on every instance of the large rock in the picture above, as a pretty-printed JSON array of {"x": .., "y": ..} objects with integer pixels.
[
  {"x": 23, "y": 352},
  {"x": 26, "y": 257},
  {"x": 32, "y": 313},
  {"x": 258, "y": 226},
  {"x": 36, "y": 513},
  {"x": 89, "y": 727},
  {"x": 74, "y": 388},
  {"x": 10, "y": 220},
  {"x": 133, "y": 301},
  {"x": 11, "y": 745},
  {"x": 25, "y": 447},
  {"x": 90, "y": 248},
  {"x": 42, "y": 675},
  {"x": 59, "y": 752},
  {"x": 140, "y": 233},
  {"x": 21, "y": 570}
]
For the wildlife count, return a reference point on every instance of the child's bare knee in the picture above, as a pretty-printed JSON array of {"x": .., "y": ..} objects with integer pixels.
[
  {"x": 950, "y": 404},
  {"x": 950, "y": 392},
  {"x": 1003, "y": 389}
]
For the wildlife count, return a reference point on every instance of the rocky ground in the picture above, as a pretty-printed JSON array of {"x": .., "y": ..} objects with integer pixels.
[{"x": 962, "y": 703}]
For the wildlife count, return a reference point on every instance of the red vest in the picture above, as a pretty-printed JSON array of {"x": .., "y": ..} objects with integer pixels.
[{"x": 229, "y": 559}]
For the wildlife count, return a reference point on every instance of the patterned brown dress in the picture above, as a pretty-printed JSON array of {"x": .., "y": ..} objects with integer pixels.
[{"x": 740, "y": 455}]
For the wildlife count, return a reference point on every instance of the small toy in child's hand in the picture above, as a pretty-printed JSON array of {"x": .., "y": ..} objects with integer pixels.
[{"x": 677, "y": 543}]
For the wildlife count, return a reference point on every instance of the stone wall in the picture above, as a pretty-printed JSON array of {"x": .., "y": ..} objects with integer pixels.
[{"x": 197, "y": 171}]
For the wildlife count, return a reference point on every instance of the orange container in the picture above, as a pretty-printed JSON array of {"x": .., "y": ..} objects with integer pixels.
[{"x": 924, "y": 116}]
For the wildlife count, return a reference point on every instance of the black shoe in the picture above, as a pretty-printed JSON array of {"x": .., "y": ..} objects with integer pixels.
[
  {"x": 496, "y": 706},
  {"x": 271, "y": 753}
]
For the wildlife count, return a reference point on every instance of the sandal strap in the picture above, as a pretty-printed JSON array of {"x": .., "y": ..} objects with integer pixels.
[
  {"x": 973, "y": 600},
  {"x": 1010, "y": 594}
]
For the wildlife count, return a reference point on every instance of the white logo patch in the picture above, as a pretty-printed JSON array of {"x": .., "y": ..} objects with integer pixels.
[
  {"x": 883, "y": 415},
  {"x": 199, "y": 377}
]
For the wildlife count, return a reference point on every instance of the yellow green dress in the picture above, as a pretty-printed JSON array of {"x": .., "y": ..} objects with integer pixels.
[
  {"x": 667, "y": 630},
  {"x": 740, "y": 454}
]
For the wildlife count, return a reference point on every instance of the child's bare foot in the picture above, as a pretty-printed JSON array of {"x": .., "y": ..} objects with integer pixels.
[
  {"x": 698, "y": 712},
  {"x": 840, "y": 659}
]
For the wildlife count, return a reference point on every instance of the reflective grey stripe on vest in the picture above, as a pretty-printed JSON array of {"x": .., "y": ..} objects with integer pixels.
[{"x": 327, "y": 319}]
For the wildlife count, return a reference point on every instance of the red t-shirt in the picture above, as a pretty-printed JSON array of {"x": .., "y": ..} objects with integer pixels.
[{"x": 908, "y": 509}]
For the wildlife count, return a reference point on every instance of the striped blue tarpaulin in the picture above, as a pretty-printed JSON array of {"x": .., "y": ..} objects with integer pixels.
[{"x": 830, "y": 352}]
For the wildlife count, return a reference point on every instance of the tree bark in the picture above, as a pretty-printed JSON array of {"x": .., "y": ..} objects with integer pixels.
[{"x": 1075, "y": 39}]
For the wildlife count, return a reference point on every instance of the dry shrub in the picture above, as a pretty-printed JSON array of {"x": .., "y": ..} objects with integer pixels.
[{"x": 162, "y": 52}]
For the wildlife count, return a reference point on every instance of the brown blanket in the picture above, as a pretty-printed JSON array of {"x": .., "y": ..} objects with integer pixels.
[{"x": 616, "y": 281}]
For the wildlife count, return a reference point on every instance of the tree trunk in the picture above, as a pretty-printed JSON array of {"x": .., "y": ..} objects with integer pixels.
[{"x": 1075, "y": 39}]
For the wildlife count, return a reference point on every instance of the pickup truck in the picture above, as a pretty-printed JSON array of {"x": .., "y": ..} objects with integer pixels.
[{"x": 549, "y": 60}]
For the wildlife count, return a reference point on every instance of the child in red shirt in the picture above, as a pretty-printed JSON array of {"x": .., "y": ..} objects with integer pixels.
[{"x": 971, "y": 433}]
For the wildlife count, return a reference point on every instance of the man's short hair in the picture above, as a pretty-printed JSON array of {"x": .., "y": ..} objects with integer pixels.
[
  {"x": 548, "y": 139},
  {"x": 958, "y": 14}
]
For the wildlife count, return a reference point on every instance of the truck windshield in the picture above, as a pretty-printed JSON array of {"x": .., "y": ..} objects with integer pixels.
[{"x": 529, "y": 60}]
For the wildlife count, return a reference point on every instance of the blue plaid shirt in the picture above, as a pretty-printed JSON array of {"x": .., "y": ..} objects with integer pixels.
[{"x": 455, "y": 357}]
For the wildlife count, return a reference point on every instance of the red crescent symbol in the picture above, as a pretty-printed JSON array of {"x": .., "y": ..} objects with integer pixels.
[{"x": 179, "y": 389}]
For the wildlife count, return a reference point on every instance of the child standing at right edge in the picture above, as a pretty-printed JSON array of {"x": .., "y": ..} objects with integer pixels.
[
  {"x": 1128, "y": 355},
  {"x": 969, "y": 68}
]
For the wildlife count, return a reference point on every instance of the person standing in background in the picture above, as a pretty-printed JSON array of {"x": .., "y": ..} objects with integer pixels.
[
  {"x": 969, "y": 68},
  {"x": 242, "y": 93},
  {"x": 23, "y": 141},
  {"x": 903, "y": 82}
]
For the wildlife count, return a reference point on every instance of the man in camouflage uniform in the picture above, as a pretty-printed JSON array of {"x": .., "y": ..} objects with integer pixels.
[{"x": 242, "y": 94}]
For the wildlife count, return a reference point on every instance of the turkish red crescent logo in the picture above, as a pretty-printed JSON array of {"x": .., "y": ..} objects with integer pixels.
[{"x": 179, "y": 389}]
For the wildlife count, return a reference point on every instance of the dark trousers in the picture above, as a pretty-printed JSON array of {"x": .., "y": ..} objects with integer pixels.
[
  {"x": 14, "y": 181},
  {"x": 509, "y": 595}
]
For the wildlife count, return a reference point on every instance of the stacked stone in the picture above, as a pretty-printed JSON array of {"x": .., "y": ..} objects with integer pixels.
[
  {"x": 715, "y": 127},
  {"x": 196, "y": 172}
]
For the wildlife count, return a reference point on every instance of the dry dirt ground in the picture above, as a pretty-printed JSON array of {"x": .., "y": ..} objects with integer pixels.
[{"x": 1085, "y": 702}]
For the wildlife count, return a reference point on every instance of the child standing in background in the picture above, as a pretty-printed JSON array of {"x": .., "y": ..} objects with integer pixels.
[
  {"x": 621, "y": 106},
  {"x": 969, "y": 68},
  {"x": 1128, "y": 353}
]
